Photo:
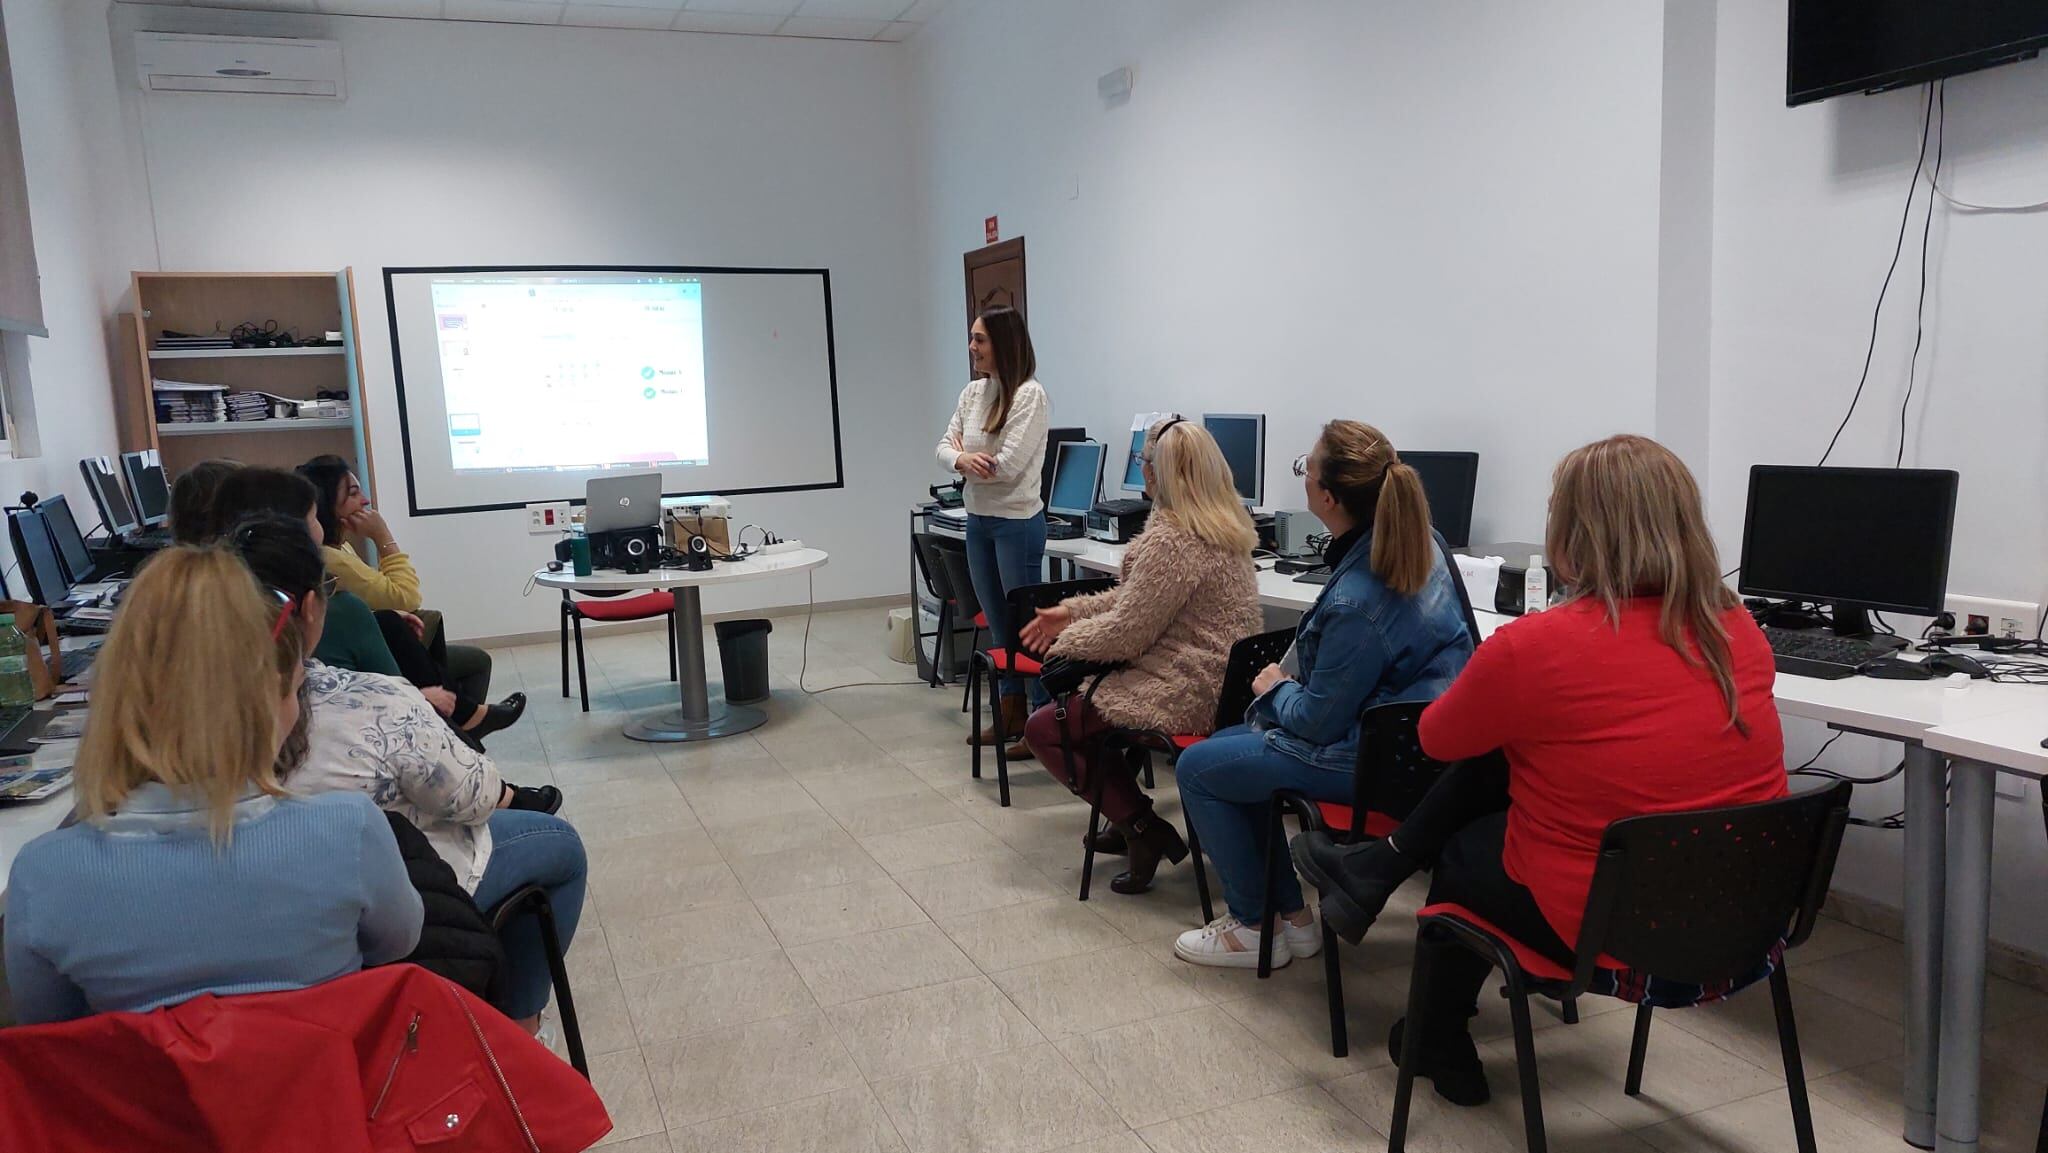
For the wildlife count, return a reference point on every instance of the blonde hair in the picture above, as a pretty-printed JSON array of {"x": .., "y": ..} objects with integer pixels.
[
  {"x": 188, "y": 690},
  {"x": 1626, "y": 521},
  {"x": 1359, "y": 467},
  {"x": 1192, "y": 487}
]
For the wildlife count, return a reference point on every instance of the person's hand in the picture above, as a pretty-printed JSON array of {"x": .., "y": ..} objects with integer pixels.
[
  {"x": 1268, "y": 677},
  {"x": 413, "y": 622},
  {"x": 442, "y": 700},
  {"x": 977, "y": 464},
  {"x": 1044, "y": 628},
  {"x": 368, "y": 524}
]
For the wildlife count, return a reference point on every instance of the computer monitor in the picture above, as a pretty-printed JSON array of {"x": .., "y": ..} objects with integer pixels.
[
  {"x": 1448, "y": 479},
  {"x": 1859, "y": 539},
  {"x": 1054, "y": 438},
  {"x": 1134, "y": 464},
  {"x": 37, "y": 556},
  {"x": 146, "y": 481},
  {"x": 70, "y": 543},
  {"x": 108, "y": 496},
  {"x": 1076, "y": 478},
  {"x": 1242, "y": 437}
]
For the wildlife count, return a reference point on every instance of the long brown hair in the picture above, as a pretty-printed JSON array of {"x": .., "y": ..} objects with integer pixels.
[
  {"x": 1009, "y": 345},
  {"x": 1193, "y": 489},
  {"x": 189, "y": 686},
  {"x": 1626, "y": 522},
  {"x": 1358, "y": 465}
]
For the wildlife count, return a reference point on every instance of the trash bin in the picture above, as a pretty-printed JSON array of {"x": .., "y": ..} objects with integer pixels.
[{"x": 743, "y": 655}]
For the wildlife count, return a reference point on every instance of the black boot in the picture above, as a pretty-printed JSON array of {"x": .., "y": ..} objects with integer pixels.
[
  {"x": 1150, "y": 839},
  {"x": 502, "y": 715},
  {"x": 536, "y": 798},
  {"x": 1111, "y": 842},
  {"x": 1451, "y": 1064},
  {"x": 1355, "y": 880}
]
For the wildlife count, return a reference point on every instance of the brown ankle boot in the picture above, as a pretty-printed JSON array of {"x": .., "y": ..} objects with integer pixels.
[
  {"x": 1151, "y": 838},
  {"x": 1015, "y": 713}
]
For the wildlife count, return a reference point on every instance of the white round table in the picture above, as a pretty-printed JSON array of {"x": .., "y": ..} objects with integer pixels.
[{"x": 699, "y": 718}]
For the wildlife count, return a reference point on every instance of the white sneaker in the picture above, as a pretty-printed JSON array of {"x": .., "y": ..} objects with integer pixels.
[
  {"x": 1303, "y": 941},
  {"x": 1228, "y": 943}
]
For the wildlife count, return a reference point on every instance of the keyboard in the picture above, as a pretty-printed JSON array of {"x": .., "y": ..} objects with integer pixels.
[
  {"x": 79, "y": 626},
  {"x": 1319, "y": 575},
  {"x": 1823, "y": 655},
  {"x": 1057, "y": 528}
]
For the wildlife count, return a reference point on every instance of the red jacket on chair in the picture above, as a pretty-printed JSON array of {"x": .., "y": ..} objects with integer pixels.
[{"x": 392, "y": 1058}]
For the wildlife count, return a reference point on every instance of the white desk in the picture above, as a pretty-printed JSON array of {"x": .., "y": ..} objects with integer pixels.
[
  {"x": 1987, "y": 729},
  {"x": 698, "y": 717}
]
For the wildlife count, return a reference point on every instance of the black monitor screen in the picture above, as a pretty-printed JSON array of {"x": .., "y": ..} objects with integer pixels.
[
  {"x": 1078, "y": 476},
  {"x": 1873, "y": 538},
  {"x": 1841, "y": 46},
  {"x": 1242, "y": 437},
  {"x": 1448, "y": 479},
  {"x": 108, "y": 495},
  {"x": 146, "y": 481},
  {"x": 64, "y": 533},
  {"x": 38, "y": 557}
]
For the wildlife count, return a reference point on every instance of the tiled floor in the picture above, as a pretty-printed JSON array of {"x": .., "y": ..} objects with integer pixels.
[{"x": 824, "y": 936}]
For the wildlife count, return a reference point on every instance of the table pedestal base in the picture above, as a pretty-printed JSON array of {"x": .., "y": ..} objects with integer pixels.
[{"x": 673, "y": 727}]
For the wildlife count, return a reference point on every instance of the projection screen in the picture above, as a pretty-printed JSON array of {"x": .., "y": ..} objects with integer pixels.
[{"x": 518, "y": 384}]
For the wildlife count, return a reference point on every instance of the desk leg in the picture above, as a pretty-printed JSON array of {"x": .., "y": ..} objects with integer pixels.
[
  {"x": 1965, "y": 937},
  {"x": 1926, "y": 864},
  {"x": 700, "y": 718}
]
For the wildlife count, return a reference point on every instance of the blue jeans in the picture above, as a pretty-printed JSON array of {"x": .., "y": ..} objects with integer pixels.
[
  {"x": 1005, "y": 554},
  {"x": 1224, "y": 785},
  {"x": 532, "y": 849}
]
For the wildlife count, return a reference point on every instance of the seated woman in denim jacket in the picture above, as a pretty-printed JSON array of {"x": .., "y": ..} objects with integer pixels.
[{"x": 1387, "y": 627}]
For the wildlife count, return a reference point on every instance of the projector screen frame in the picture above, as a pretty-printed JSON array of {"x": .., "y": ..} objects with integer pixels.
[{"x": 413, "y": 507}]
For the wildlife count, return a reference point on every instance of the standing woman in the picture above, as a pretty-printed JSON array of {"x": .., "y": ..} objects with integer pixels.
[{"x": 996, "y": 442}]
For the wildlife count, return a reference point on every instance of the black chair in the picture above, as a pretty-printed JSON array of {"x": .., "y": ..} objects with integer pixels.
[
  {"x": 611, "y": 607},
  {"x": 952, "y": 556},
  {"x": 534, "y": 899},
  {"x": 1002, "y": 666},
  {"x": 1136, "y": 747},
  {"x": 942, "y": 563},
  {"x": 1697, "y": 897}
]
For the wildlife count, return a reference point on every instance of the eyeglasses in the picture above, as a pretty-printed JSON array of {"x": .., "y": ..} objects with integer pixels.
[{"x": 287, "y": 605}]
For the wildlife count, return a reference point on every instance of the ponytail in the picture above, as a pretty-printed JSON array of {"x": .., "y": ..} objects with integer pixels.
[{"x": 1403, "y": 552}]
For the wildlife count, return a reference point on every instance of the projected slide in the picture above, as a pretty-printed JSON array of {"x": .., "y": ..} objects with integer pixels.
[{"x": 572, "y": 372}]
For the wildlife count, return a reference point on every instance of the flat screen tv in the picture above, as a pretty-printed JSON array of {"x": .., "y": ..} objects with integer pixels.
[{"x": 1842, "y": 46}]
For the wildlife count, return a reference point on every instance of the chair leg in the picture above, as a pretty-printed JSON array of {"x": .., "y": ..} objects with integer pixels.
[
  {"x": 996, "y": 687},
  {"x": 563, "y": 621},
  {"x": 672, "y": 673},
  {"x": 1150, "y": 784},
  {"x": 582, "y": 675},
  {"x": 1333, "y": 977},
  {"x": 1569, "y": 1011},
  {"x": 558, "y": 972},
  {"x": 1637, "y": 1050},
  {"x": 974, "y": 717},
  {"x": 1202, "y": 876},
  {"x": 1795, "y": 1069},
  {"x": 939, "y": 642},
  {"x": 2041, "y": 1142},
  {"x": 1411, "y": 1052},
  {"x": 1525, "y": 1066},
  {"x": 1094, "y": 826},
  {"x": 1271, "y": 917}
]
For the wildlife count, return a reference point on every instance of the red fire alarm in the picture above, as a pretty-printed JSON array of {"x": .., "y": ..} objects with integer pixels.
[{"x": 989, "y": 230}]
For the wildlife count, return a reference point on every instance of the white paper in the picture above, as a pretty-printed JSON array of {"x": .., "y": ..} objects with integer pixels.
[{"x": 1481, "y": 575}]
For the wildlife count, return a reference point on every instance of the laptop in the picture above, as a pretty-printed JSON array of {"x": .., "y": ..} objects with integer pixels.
[{"x": 612, "y": 503}]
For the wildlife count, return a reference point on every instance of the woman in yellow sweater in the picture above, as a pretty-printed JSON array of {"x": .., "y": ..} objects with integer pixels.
[{"x": 393, "y": 586}]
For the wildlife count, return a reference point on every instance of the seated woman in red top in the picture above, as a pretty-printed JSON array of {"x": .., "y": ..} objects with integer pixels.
[{"x": 1648, "y": 690}]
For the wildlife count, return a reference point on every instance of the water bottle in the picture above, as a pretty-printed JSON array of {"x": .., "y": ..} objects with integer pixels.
[
  {"x": 1535, "y": 586},
  {"x": 15, "y": 689}
]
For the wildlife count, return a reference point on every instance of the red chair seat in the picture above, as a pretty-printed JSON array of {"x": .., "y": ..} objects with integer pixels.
[
  {"x": 1533, "y": 963},
  {"x": 981, "y": 620},
  {"x": 1185, "y": 741},
  {"x": 636, "y": 608},
  {"x": 1024, "y": 666},
  {"x": 1338, "y": 818}
]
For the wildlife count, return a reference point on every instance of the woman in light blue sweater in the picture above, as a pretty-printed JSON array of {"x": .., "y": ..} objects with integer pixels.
[{"x": 192, "y": 870}]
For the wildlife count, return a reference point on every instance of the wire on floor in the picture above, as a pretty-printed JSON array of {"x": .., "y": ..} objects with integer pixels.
[{"x": 811, "y": 610}]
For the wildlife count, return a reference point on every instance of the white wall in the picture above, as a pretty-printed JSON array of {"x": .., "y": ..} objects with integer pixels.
[
  {"x": 1807, "y": 205},
  {"x": 501, "y": 144},
  {"x": 1421, "y": 215},
  {"x": 83, "y": 235}
]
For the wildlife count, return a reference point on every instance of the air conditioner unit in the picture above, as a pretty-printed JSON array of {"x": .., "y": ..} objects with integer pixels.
[{"x": 178, "y": 62}]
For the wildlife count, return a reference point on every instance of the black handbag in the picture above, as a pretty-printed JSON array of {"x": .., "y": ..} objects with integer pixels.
[{"x": 1060, "y": 675}]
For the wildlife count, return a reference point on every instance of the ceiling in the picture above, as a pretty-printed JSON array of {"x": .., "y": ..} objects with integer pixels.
[{"x": 828, "y": 19}]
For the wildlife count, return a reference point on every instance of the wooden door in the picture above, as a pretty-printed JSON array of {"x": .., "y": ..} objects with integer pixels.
[{"x": 995, "y": 275}]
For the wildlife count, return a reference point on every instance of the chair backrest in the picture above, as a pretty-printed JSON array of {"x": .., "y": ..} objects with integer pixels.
[
  {"x": 1392, "y": 772},
  {"x": 952, "y": 555},
  {"x": 925, "y": 547},
  {"x": 1247, "y": 657},
  {"x": 1701, "y": 896},
  {"x": 1025, "y": 600},
  {"x": 1458, "y": 582}
]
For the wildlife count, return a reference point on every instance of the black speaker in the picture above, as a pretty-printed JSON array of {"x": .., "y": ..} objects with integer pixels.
[
  {"x": 632, "y": 550},
  {"x": 697, "y": 558}
]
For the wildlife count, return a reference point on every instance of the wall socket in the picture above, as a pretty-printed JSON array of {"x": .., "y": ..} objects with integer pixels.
[
  {"x": 547, "y": 518},
  {"x": 1999, "y": 618}
]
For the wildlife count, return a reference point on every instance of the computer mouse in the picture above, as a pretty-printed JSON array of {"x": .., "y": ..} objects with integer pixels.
[
  {"x": 1894, "y": 669},
  {"x": 1943, "y": 664}
]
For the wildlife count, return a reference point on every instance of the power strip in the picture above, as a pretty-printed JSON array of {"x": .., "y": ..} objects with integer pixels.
[{"x": 780, "y": 546}]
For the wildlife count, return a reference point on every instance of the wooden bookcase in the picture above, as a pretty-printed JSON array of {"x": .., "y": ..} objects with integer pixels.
[{"x": 308, "y": 303}]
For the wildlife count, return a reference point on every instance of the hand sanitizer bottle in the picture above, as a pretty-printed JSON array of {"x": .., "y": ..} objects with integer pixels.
[{"x": 1535, "y": 586}]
